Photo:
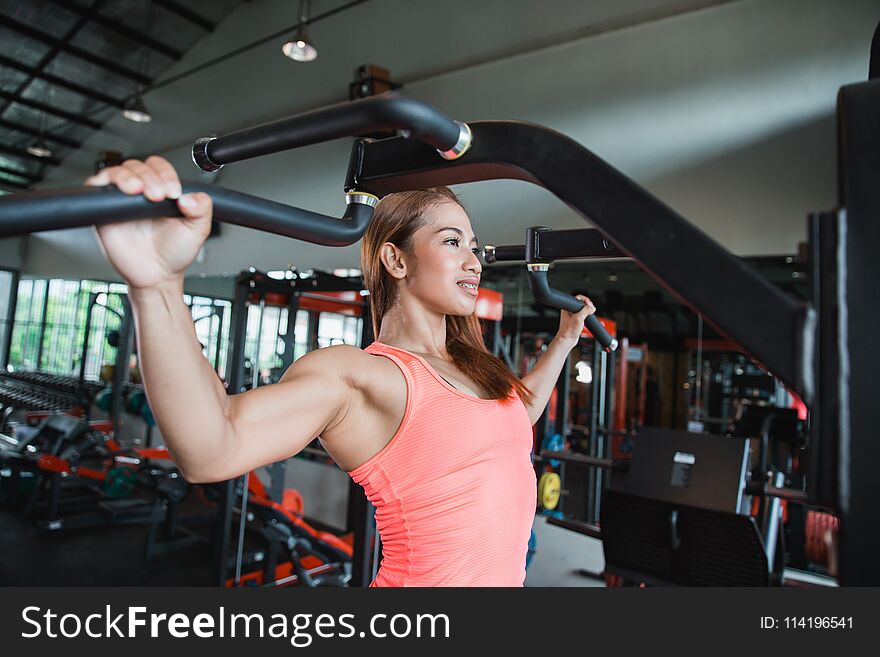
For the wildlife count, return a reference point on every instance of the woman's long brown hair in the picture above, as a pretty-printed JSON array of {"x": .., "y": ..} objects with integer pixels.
[{"x": 397, "y": 218}]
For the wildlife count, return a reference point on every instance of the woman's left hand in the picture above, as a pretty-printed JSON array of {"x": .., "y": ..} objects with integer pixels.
[{"x": 571, "y": 324}]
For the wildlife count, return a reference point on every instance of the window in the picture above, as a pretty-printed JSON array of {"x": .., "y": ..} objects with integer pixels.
[
  {"x": 49, "y": 330},
  {"x": 7, "y": 283},
  {"x": 212, "y": 318},
  {"x": 334, "y": 328}
]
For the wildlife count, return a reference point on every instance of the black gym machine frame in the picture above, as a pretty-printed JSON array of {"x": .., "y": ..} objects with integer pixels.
[{"x": 825, "y": 351}]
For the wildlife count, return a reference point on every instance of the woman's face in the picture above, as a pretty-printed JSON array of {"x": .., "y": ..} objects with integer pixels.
[{"x": 445, "y": 273}]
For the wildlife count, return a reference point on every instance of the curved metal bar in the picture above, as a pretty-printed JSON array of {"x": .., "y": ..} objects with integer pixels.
[
  {"x": 387, "y": 111},
  {"x": 545, "y": 294},
  {"x": 70, "y": 208},
  {"x": 768, "y": 323}
]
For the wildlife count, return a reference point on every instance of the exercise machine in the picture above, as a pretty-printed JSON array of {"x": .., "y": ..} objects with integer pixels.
[{"x": 808, "y": 346}]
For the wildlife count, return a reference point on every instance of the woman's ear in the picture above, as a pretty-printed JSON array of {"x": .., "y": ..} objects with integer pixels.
[{"x": 393, "y": 260}]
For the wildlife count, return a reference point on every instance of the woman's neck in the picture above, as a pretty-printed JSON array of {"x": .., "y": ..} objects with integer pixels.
[{"x": 414, "y": 328}]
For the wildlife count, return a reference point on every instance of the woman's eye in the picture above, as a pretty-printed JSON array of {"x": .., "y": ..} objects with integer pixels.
[
  {"x": 476, "y": 251},
  {"x": 453, "y": 239}
]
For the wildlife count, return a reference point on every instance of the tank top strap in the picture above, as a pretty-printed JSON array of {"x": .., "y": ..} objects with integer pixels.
[
  {"x": 403, "y": 359},
  {"x": 410, "y": 363},
  {"x": 417, "y": 372},
  {"x": 406, "y": 362}
]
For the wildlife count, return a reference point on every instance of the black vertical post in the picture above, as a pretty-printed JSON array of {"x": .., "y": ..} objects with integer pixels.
[
  {"x": 220, "y": 312},
  {"x": 312, "y": 336},
  {"x": 289, "y": 337},
  {"x": 120, "y": 368},
  {"x": 602, "y": 435},
  {"x": 10, "y": 322},
  {"x": 367, "y": 336},
  {"x": 562, "y": 390},
  {"x": 561, "y": 427},
  {"x": 604, "y": 451},
  {"x": 277, "y": 472},
  {"x": 874, "y": 65},
  {"x": 824, "y": 412},
  {"x": 543, "y": 426},
  {"x": 499, "y": 349},
  {"x": 222, "y": 534},
  {"x": 237, "y": 337},
  {"x": 81, "y": 391},
  {"x": 592, "y": 473},
  {"x": 43, "y": 327},
  {"x": 858, "y": 348}
]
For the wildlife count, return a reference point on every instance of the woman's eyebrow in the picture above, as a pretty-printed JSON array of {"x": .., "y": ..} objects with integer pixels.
[{"x": 456, "y": 230}]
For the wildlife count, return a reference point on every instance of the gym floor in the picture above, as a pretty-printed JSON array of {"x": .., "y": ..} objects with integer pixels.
[
  {"x": 114, "y": 556},
  {"x": 95, "y": 556},
  {"x": 562, "y": 557}
]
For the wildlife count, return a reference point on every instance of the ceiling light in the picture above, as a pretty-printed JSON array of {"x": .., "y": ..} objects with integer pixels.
[
  {"x": 136, "y": 111},
  {"x": 39, "y": 149},
  {"x": 300, "y": 48}
]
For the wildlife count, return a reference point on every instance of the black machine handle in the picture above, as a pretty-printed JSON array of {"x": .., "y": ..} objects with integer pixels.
[
  {"x": 493, "y": 254},
  {"x": 550, "y": 245},
  {"x": 409, "y": 117},
  {"x": 84, "y": 206},
  {"x": 545, "y": 294},
  {"x": 69, "y": 208}
]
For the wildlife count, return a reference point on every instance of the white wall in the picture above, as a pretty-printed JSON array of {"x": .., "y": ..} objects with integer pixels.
[{"x": 725, "y": 113}]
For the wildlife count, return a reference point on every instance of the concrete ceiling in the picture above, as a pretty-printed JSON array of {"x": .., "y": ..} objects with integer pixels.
[{"x": 723, "y": 109}]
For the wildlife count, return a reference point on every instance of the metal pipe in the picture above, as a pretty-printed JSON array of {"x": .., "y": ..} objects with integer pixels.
[
  {"x": 410, "y": 118},
  {"x": 772, "y": 517},
  {"x": 84, "y": 206},
  {"x": 558, "y": 245},
  {"x": 767, "y": 322},
  {"x": 573, "y": 457}
]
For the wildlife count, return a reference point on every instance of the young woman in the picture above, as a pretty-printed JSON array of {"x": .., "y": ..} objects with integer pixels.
[{"x": 435, "y": 429}]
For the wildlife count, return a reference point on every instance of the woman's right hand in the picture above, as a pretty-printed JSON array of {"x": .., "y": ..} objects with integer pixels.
[{"x": 150, "y": 252}]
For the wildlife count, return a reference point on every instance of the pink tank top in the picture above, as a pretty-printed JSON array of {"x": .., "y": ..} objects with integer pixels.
[{"x": 454, "y": 489}]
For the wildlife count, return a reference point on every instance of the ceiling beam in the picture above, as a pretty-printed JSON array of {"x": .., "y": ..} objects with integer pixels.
[
  {"x": 31, "y": 178},
  {"x": 187, "y": 13},
  {"x": 61, "y": 82},
  {"x": 120, "y": 29},
  {"x": 38, "y": 35},
  {"x": 48, "y": 109},
  {"x": 12, "y": 186},
  {"x": 48, "y": 136}
]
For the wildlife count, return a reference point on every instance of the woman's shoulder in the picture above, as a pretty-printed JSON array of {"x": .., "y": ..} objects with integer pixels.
[
  {"x": 379, "y": 382},
  {"x": 339, "y": 357},
  {"x": 362, "y": 367}
]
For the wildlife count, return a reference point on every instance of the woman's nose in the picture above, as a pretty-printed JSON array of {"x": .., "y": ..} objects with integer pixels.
[{"x": 473, "y": 263}]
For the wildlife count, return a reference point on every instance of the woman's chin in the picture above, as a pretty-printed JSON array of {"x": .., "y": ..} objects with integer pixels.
[
  {"x": 462, "y": 310},
  {"x": 461, "y": 307}
]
